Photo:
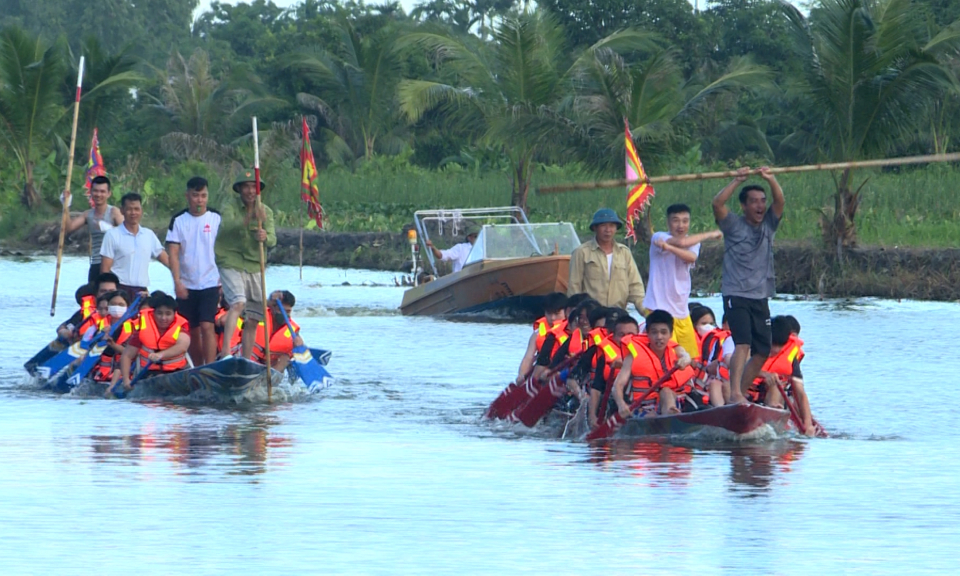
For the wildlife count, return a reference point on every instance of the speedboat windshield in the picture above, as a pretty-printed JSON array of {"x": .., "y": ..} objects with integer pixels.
[{"x": 505, "y": 241}]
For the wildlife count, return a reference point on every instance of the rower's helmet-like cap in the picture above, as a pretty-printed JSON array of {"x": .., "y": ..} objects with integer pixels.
[
  {"x": 604, "y": 216},
  {"x": 247, "y": 176}
]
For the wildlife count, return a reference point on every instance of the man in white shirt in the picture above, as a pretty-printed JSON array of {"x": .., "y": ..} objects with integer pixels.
[
  {"x": 196, "y": 280},
  {"x": 672, "y": 255},
  {"x": 457, "y": 253},
  {"x": 127, "y": 249}
]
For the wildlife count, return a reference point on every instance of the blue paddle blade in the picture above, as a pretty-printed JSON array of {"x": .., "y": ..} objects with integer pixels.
[
  {"x": 88, "y": 364},
  {"x": 321, "y": 356},
  {"x": 315, "y": 377},
  {"x": 53, "y": 366}
]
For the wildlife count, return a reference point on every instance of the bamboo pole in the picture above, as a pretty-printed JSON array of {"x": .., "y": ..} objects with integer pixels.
[
  {"x": 66, "y": 190},
  {"x": 300, "y": 224},
  {"x": 953, "y": 157},
  {"x": 263, "y": 265}
]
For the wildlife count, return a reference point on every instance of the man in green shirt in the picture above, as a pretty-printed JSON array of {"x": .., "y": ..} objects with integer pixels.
[{"x": 238, "y": 257}]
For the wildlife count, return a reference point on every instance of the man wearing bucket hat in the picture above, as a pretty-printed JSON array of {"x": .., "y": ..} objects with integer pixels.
[
  {"x": 238, "y": 258},
  {"x": 458, "y": 252},
  {"x": 604, "y": 268}
]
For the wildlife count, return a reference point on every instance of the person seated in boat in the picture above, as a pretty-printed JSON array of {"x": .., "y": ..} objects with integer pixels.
[
  {"x": 648, "y": 360},
  {"x": 599, "y": 318},
  {"x": 234, "y": 347},
  {"x": 457, "y": 254},
  {"x": 554, "y": 312},
  {"x": 160, "y": 342},
  {"x": 783, "y": 366},
  {"x": 282, "y": 341},
  {"x": 557, "y": 344},
  {"x": 108, "y": 367},
  {"x": 713, "y": 380},
  {"x": 86, "y": 297},
  {"x": 606, "y": 363}
]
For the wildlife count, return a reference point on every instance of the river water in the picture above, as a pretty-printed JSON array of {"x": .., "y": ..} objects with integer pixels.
[{"x": 391, "y": 471}]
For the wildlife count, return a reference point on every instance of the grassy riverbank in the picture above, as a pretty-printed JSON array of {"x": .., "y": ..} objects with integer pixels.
[{"x": 916, "y": 208}]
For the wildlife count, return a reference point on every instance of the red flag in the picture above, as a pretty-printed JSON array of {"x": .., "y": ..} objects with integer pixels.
[
  {"x": 639, "y": 194},
  {"x": 309, "y": 192},
  {"x": 95, "y": 165}
]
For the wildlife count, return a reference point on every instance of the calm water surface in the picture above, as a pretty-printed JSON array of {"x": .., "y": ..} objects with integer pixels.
[{"x": 390, "y": 471}]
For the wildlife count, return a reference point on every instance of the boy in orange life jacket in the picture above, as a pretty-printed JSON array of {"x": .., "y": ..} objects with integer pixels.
[
  {"x": 648, "y": 361},
  {"x": 554, "y": 305},
  {"x": 161, "y": 340},
  {"x": 784, "y": 364},
  {"x": 282, "y": 341},
  {"x": 607, "y": 362},
  {"x": 561, "y": 337}
]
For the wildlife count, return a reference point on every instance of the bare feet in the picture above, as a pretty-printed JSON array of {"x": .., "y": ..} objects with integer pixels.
[{"x": 736, "y": 399}]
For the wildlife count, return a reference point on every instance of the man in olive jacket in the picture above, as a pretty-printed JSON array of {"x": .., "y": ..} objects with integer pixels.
[
  {"x": 238, "y": 258},
  {"x": 604, "y": 268}
]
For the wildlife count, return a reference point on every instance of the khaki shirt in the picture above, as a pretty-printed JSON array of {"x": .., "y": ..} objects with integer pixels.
[{"x": 588, "y": 273}]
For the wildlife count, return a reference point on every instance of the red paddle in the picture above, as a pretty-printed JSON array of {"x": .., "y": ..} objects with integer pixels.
[
  {"x": 514, "y": 395},
  {"x": 795, "y": 413},
  {"x": 541, "y": 404},
  {"x": 613, "y": 423}
]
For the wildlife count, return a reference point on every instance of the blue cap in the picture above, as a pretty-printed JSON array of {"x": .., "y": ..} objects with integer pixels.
[{"x": 604, "y": 216}]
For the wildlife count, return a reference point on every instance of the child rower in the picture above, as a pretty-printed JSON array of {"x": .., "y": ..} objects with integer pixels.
[
  {"x": 606, "y": 365},
  {"x": 554, "y": 312},
  {"x": 565, "y": 337},
  {"x": 108, "y": 367},
  {"x": 160, "y": 342},
  {"x": 783, "y": 365},
  {"x": 649, "y": 359},
  {"x": 282, "y": 341}
]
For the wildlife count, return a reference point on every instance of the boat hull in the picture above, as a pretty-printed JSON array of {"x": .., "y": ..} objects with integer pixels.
[
  {"x": 227, "y": 377},
  {"x": 512, "y": 287},
  {"x": 738, "y": 419}
]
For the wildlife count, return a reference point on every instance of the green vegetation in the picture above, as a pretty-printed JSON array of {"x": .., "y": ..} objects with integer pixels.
[{"x": 469, "y": 103}]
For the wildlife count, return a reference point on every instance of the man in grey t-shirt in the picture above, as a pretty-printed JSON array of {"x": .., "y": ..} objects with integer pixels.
[{"x": 748, "y": 278}]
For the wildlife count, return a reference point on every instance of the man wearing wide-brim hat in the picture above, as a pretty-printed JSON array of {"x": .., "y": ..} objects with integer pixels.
[
  {"x": 604, "y": 268},
  {"x": 458, "y": 252},
  {"x": 238, "y": 258}
]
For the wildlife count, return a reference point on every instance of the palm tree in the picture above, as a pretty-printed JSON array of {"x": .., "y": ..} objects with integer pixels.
[
  {"x": 204, "y": 112},
  {"x": 513, "y": 93},
  {"x": 107, "y": 81},
  {"x": 354, "y": 91},
  {"x": 870, "y": 70},
  {"x": 31, "y": 104}
]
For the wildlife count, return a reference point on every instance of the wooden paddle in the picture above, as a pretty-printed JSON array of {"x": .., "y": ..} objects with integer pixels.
[
  {"x": 66, "y": 190},
  {"x": 795, "y": 413},
  {"x": 515, "y": 395},
  {"x": 613, "y": 423},
  {"x": 263, "y": 259},
  {"x": 954, "y": 157}
]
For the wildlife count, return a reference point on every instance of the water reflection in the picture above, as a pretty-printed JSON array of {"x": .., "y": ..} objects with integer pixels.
[
  {"x": 197, "y": 448},
  {"x": 753, "y": 467}
]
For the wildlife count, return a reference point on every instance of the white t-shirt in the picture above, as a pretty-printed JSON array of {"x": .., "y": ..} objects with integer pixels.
[
  {"x": 196, "y": 236},
  {"x": 609, "y": 265},
  {"x": 131, "y": 254},
  {"x": 729, "y": 347},
  {"x": 457, "y": 254},
  {"x": 668, "y": 287}
]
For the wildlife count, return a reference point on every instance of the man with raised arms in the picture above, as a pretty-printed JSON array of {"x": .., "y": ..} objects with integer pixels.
[{"x": 748, "y": 278}]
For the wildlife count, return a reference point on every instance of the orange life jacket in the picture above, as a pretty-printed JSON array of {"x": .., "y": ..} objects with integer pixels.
[
  {"x": 611, "y": 352},
  {"x": 647, "y": 368},
  {"x": 103, "y": 371},
  {"x": 151, "y": 340},
  {"x": 578, "y": 342},
  {"x": 781, "y": 363},
  {"x": 237, "y": 333},
  {"x": 542, "y": 329},
  {"x": 281, "y": 341},
  {"x": 711, "y": 349},
  {"x": 90, "y": 321},
  {"x": 88, "y": 305},
  {"x": 560, "y": 336}
]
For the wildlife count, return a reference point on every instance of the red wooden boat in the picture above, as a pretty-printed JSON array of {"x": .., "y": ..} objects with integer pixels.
[{"x": 739, "y": 419}]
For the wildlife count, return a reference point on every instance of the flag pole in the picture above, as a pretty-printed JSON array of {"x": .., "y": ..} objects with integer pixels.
[
  {"x": 930, "y": 158},
  {"x": 263, "y": 264},
  {"x": 66, "y": 190}
]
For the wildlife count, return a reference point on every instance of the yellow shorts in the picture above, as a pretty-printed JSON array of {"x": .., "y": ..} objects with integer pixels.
[{"x": 685, "y": 336}]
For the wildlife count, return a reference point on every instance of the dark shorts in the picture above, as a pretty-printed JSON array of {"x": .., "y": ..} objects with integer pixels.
[
  {"x": 749, "y": 321},
  {"x": 200, "y": 306}
]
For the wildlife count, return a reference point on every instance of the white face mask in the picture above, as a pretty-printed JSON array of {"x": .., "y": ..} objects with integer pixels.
[
  {"x": 705, "y": 329},
  {"x": 116, "y": 311}
]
